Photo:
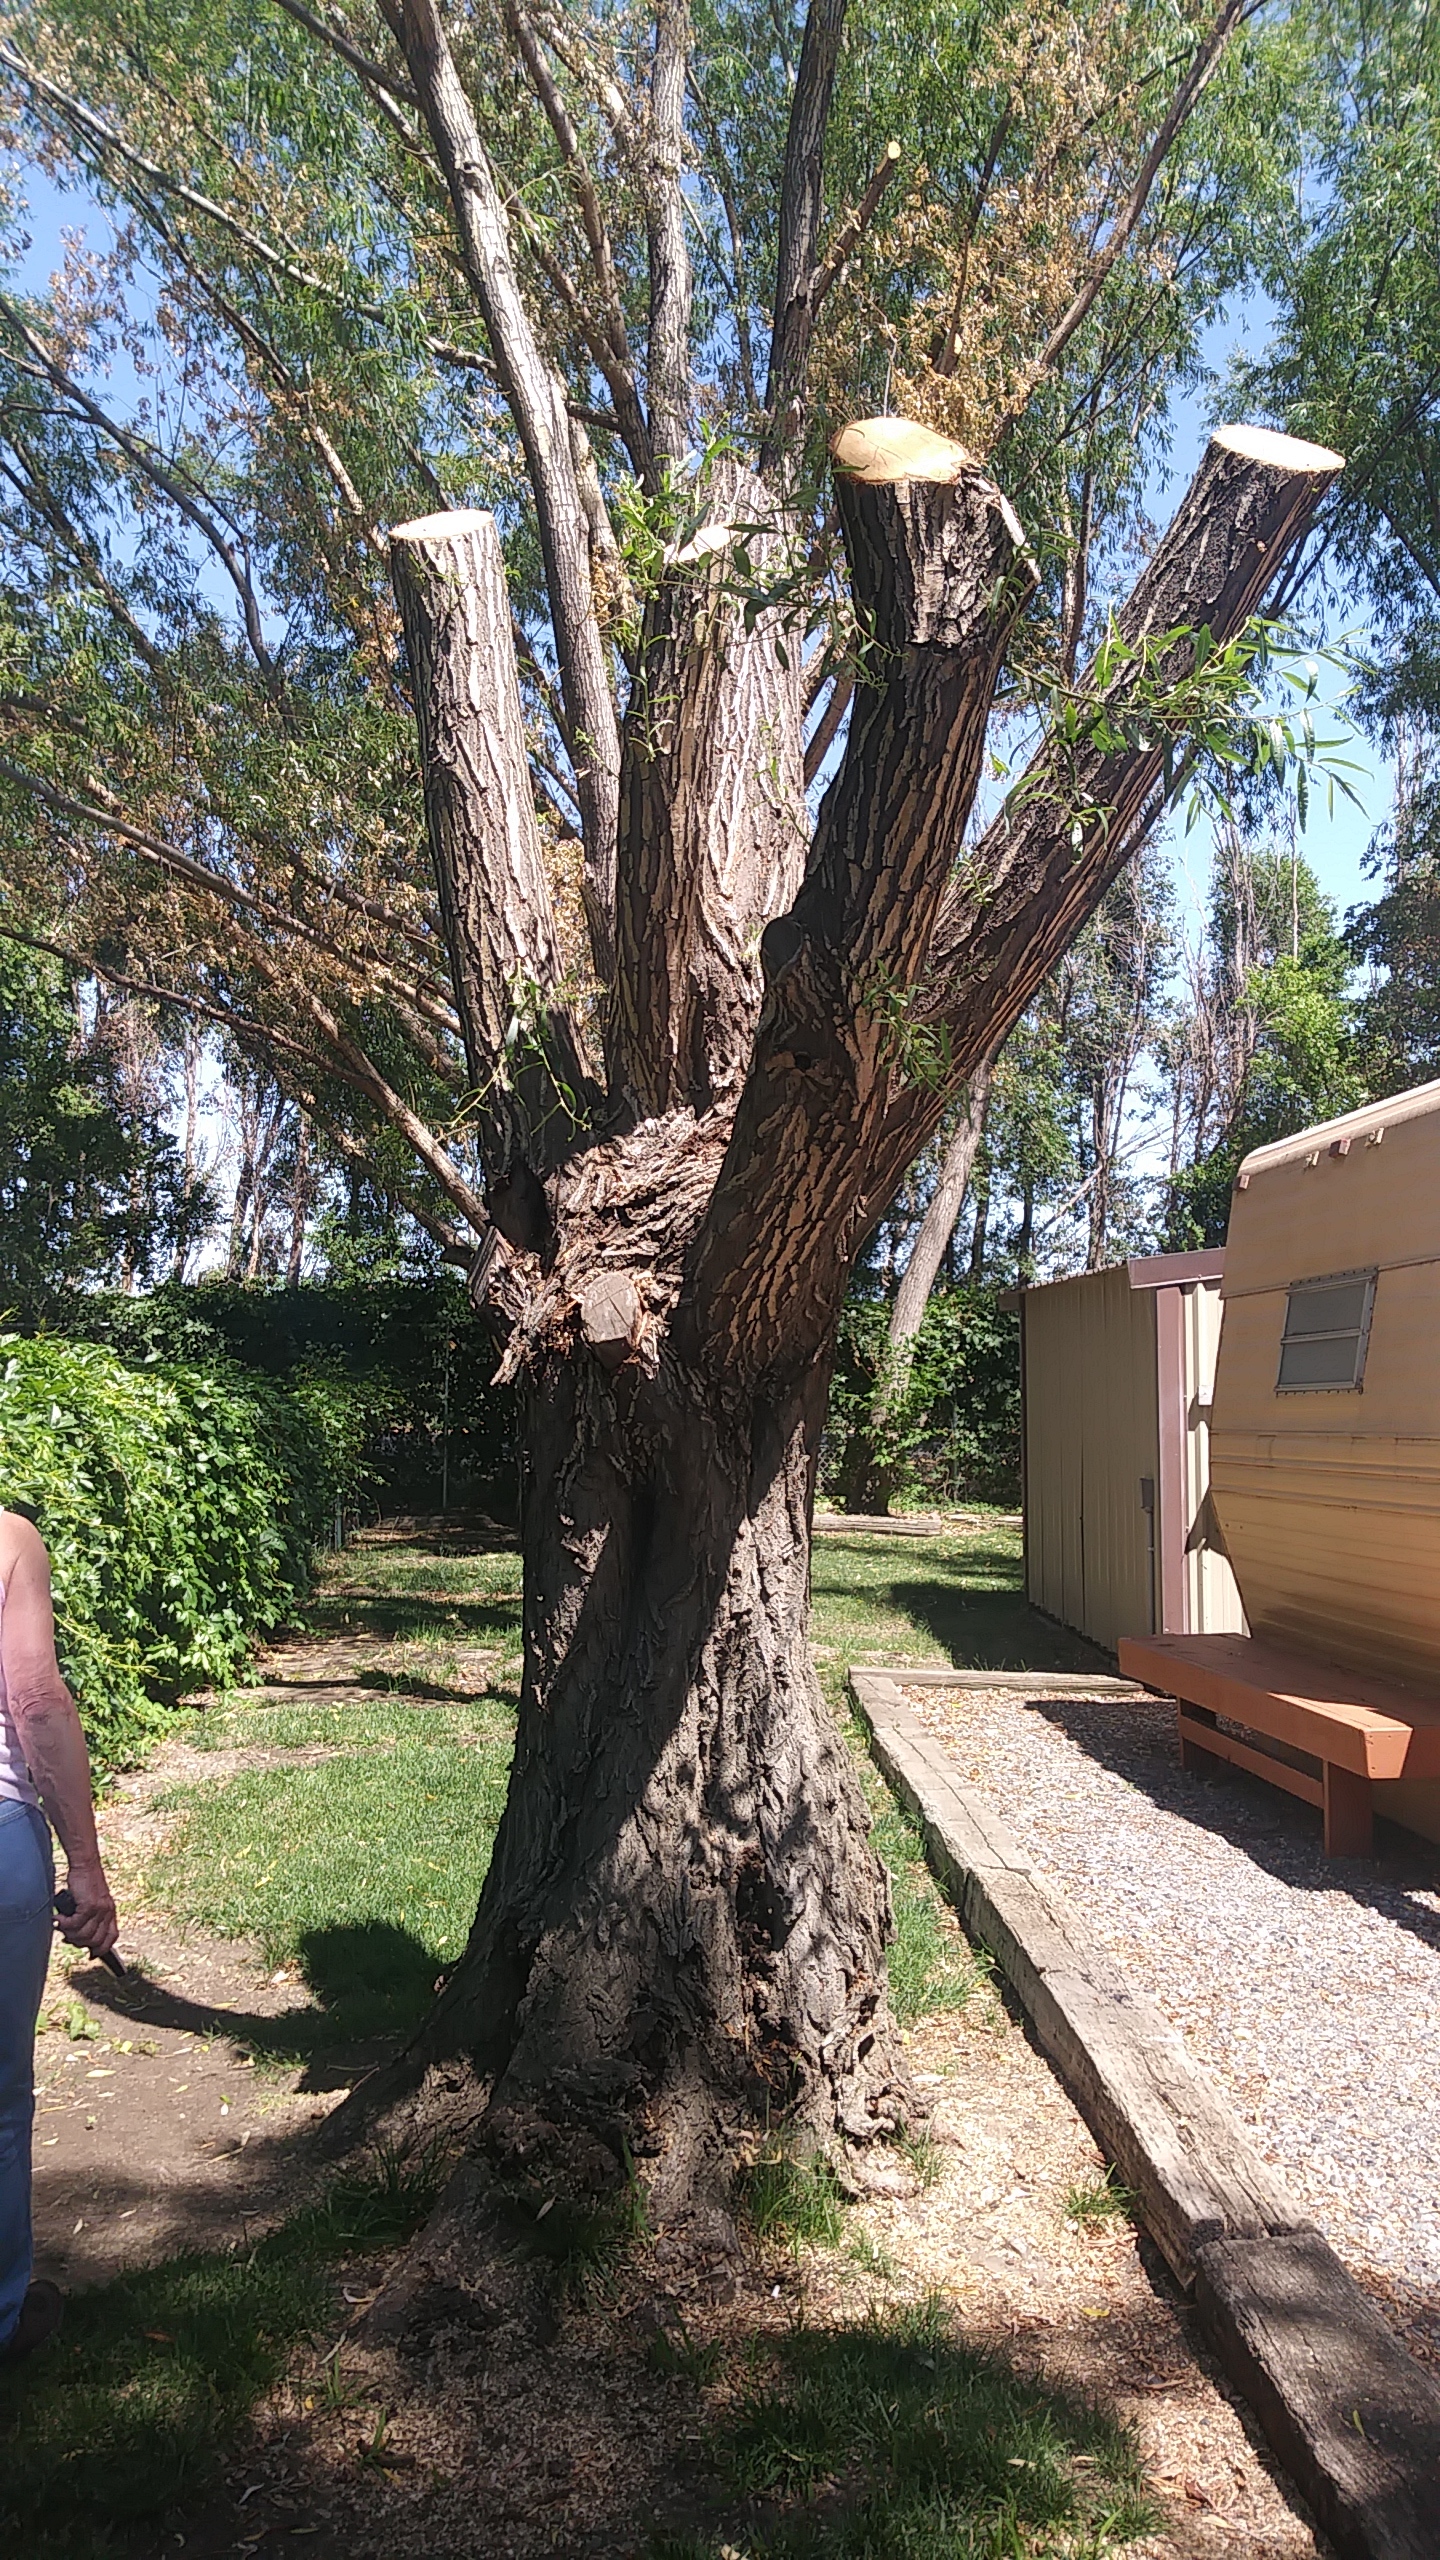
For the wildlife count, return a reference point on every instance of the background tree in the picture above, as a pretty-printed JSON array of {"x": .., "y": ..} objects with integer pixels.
[
  {"x": 92, "y": 1186},
  {"x": 1267, "y": 1043},
  {"x": 692, "y": 1042}
]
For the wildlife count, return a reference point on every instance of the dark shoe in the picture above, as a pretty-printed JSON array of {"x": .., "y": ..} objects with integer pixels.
[{"x": 41, "y": 2313}]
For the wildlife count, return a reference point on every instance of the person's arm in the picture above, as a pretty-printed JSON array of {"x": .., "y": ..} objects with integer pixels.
[{"x": 50, "y": 1735}]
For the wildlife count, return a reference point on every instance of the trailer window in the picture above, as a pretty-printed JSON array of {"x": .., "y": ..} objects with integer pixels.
[{"x": 1327, "y": 1331}]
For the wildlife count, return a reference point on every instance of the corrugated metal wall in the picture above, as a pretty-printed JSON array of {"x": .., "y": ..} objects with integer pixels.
[{"x": 1091, "y": 1442}]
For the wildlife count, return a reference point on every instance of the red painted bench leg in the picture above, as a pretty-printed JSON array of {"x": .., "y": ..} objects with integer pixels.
[
  {"x": 1199, "y": 1762},
  {"x": 1349, "y": 1827}
]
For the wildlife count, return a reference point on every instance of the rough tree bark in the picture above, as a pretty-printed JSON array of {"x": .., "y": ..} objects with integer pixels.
[{"x": 683, "y": 1926}]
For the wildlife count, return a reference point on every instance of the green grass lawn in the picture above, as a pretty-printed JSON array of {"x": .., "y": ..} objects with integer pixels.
[
  {"x": 361, "y": 1868},
  {"x": 934, "y": 1600}
]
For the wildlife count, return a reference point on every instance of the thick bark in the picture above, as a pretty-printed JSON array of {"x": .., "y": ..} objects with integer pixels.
[
  {"x": 939, "y": 569},
  {"x": 531, "y": 1091},
  {"x": 712, "y": 813},
  {"x": 683, "y": 1926},
  {"x": 682, "y": 1931}
]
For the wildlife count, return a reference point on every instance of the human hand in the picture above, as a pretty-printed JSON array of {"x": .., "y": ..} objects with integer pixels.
[{"x": 93, "y": 1922}]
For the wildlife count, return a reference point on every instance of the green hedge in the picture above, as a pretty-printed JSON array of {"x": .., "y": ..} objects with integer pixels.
[{"x": 181, "y": 1506}]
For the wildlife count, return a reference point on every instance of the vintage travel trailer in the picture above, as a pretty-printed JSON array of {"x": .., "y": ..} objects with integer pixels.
[
  {"x": 1324, "y": 1454},
  {"x": 1118, "y": 1367}
]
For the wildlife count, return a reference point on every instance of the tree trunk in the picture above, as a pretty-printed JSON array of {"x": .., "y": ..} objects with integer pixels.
[
  {"x": 683, "y": 1928},
  {"x": 982, "y": 1221},
  {"x": 871, "y": 1473},
  {"x": 299, "y": 1204}
]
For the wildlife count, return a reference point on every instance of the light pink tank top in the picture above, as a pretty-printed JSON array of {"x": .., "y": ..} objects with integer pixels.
[{"x": 16, "y": 1785}]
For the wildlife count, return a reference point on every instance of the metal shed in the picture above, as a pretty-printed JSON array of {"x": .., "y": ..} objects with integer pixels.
[{"x": 1118, "y": 1368}]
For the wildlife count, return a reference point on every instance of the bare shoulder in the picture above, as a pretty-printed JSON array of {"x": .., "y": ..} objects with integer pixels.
[{"x": 21, "y": 1545}]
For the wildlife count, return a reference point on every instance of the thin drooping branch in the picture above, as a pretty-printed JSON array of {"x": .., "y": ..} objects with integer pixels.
[
  {"x": 537, "y": 401},
  {"x": 152, "y": 466},
  {"x": 802, "y": 208},
  {"x": 347, "y": 1061},
  {"x": 105, "y": 815},
  {"x": 529, "y": 1086},
  {"x": 938, "y": 1224},
  {"x": 852, "y": 230},
  {"x": 1203, "y": 65},
  {"x": 945, "y": 349},
  {"x": 31, "y": 486},
  {"x": 350, "y": 54},
  {"x": 827, "y": 727},
  {"x": 668, "y": 369},
  {"x": 939, "y": 569}
]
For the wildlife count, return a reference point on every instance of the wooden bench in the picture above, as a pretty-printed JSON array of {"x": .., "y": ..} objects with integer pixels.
[{"x": 1337, "y": 1730}]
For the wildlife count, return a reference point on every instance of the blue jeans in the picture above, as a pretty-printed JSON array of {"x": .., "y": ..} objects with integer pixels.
[{"x": 27, "y": 1882}]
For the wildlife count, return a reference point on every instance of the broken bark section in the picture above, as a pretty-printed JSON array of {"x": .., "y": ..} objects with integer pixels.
[
  {"x": 940, "y": 569},
  {"x": 713, "y": 830},
  {"x": 521, "y": 1049}
]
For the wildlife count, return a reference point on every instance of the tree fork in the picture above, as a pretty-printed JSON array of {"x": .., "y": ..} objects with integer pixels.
[
  {"x": 940, "y": 570},
  {"x": 1020, "y": 896}
]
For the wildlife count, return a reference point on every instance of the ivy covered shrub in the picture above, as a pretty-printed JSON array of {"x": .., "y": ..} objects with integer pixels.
[
  {"x": 949, "y": 1430},
  {"x": 181, "y": 1505}
]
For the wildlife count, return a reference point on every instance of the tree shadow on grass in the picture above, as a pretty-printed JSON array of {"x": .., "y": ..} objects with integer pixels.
[
  {"x": 897, "y": 2436},
  {"x": 155, "y": 2373},
  {"x": 371, "y": 1982},
  {"x": 410, "y": 1618},
  {"x": 990, "y": 1630}
]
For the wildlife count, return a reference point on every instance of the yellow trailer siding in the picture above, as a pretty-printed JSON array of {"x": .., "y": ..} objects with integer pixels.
[{"x": 1328, "y": 1499}]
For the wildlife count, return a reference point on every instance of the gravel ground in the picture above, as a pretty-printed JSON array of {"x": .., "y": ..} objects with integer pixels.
[{"x": 1310, "y": 1988}]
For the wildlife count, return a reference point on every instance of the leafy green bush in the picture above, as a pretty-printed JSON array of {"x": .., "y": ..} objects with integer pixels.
[
  {"x": 952, "y": 1431},
  {"x": 180, "y": 1505},
  {"x": 412, "y": 1352}
]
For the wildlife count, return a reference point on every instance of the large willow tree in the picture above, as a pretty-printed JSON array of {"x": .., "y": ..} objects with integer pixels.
[{"x": 804, "y": 374}]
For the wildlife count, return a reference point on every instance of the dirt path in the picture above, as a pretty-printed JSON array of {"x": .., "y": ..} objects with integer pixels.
[{"x": 158, "y": 2128}]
